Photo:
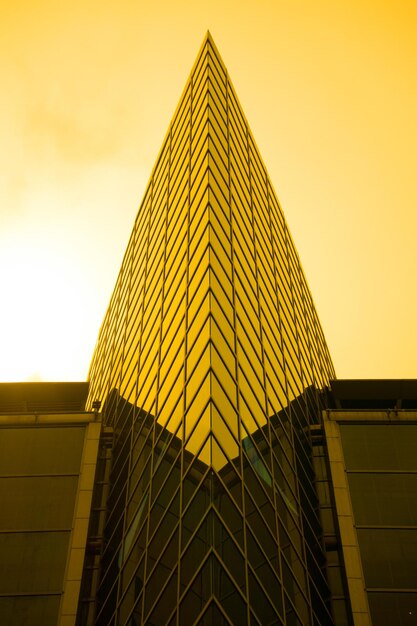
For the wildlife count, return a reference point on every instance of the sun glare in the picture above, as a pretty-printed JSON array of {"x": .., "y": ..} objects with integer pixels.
[{"x": 44, "y": 314}]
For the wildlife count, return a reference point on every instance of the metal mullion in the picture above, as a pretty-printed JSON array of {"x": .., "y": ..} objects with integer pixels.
[
  {"x": 173, "y": 310},
  {"x": 200, "y": 152},
  {"x": 224, "y": 364},
  {"x": 216, "y": 119},
  {"x": 204, "y": 348},
  {"x": 150, "y": 328},
  {"x": 201, "y": 96},
  {"x": 219, "y": 227},
  {"x": 212, "y": 251},
  {"x": 177, "y": 193},
  {"x": 199, "y": 102},
  {"x": 267, "y": 301},
  {"x": 254, "y": 442},
  {"x": 198, "y": 70},
  {"x": 262, "y": 237},
  {"x": 242, "y": 321},
  {"x": 274, "y": 539},
  {"x": 184, "y": 400},
  {"x": 307, "y": 580},
  {"x": 176, "y": 187},
  {"x": 217, "y": 60},
  {"x": 203, "y": 562},
  {"x": 240, "y": 234},
  {"x": 219, "y": 94},
  {"x": 170, "y": 575},
  {"x": 215, "y": 172},
  {"x": 219, "y": 69},
  {"x": 156, "y": 224},
  {"x": 236, "y": 373},
  {"x": 170, "y": 389},
  {"x": 231, "y": 348},
  {"x": 215, "y": 144},
  {"x": 159, "y": 187},
  {"x": 199, "y": 133},
  {"x": 199, "y": 449},
  {"x": 141, "y": 311},
  {"x": 141, "y": 218},
  {"x": 245, "y": 292},
  {"x": 196, "y": 239},
  {"x": 165, "y": 444},
  {"x": 180, "y": 120},
  {"x": 258, "y": 171},
  {"x": 210, "y": 601},
  {"x": 155, "y": 565},
  {"x": 179, "y": 156},
  {"x": 190, "y": 348},
  {"x": 198, "y": 285},
  {"x": 199, "y": 178},
  {"x": 258, "y": 580},
  {"x": 239, "y": 153},
  {"x": 240, "y": 202},
  {"x": 196, "y": 529},
  {"x": 131, "y": 579},
  {"x": 235, "y": 107},
  {"x": 219, "y": 78},
  {"x": 103, "y": 607},
  {"x": 238, "y": 174}
]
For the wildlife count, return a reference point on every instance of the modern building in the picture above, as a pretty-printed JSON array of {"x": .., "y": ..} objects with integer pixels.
[
  {"x": 48, "y": 456},
  {"x": 210, "y": 367},
  {"x": 371, "y": 437},
  {"x": 235, "y": 480}
]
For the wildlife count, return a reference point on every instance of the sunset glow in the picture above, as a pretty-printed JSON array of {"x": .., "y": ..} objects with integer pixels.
[{"x": 88, "y": 90}]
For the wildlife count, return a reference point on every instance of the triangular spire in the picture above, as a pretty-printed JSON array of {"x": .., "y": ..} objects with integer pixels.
[{"x": 208, "y": 361}]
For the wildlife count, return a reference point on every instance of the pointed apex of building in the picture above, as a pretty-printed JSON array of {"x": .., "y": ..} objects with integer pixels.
[{"x": 208, "y": 45}]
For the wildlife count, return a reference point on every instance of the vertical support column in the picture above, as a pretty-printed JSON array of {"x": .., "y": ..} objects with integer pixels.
[
  {"x": 348, "y": 536},
  {"x": 76, "y": 552}
]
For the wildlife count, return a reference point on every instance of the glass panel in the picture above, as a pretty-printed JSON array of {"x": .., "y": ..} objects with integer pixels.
[
  {"x": 20, "y": 611},
  {"x": 37, "y": 503},
  {"x": 389, "y": 557},
  {"x": 33, "y": 562},
  {"x": 388, "y": 609},
  {"x": 41, "y": 450},
  {"x": 384, "y": 499},
  {"x": 380, "y": 447}
]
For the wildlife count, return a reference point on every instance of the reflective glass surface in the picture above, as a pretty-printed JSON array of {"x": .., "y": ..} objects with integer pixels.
[
  {"x": 207, "y": 354},
  {"x": 39, "y": 472},
  {"x": 381, "y": 463},
  {"x": 16, "y": 611}
]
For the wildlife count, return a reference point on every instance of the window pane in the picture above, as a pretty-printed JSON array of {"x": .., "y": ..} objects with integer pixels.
[
  {"x": 384, "y": 499},
  {"x": 17, "y": 611},
  {"x": 379, "y": 446},
  {"x": 40, "y": 450},
  {"x": 393, "y": 608},
  {"x": 32, "y": 562},
  {"x": 389, "y": 557},
  {"x": 37, "y": 503}
]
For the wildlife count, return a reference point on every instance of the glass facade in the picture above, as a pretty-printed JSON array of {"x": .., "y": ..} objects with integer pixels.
[
  {"x": 39, "y": 474},
  {"x": 381, "y": 465},
  {"x": 209, "y": 366}
]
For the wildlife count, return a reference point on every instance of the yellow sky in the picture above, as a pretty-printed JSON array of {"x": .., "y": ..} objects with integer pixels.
[{"x": 87, "y": 93}]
